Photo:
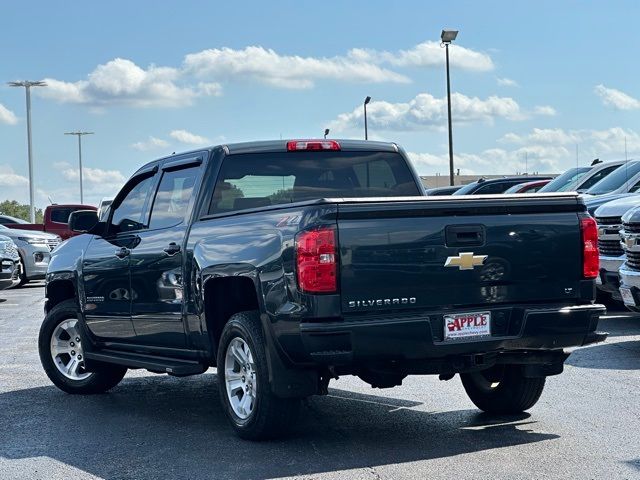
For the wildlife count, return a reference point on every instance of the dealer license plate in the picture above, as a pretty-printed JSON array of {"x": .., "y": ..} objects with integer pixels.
[
  {"x": 627, "y": 296},
  {"x": 467, "y": 325}
]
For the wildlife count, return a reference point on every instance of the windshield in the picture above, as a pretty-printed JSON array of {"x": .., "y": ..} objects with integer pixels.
[
  {"x": 565, "y": 182},
  {"x": 466, "y": 189},
  {"x": 616, "y": 179}
]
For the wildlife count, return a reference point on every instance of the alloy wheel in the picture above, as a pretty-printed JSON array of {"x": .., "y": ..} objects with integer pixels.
[
  {"x": 240, "y": 378},
  {"x": 66, "y": 350}
]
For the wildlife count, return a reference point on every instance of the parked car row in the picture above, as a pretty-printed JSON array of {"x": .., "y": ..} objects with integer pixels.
[
  {"x": 25, "y": 248},
  {"x": 618, "y": 229}
]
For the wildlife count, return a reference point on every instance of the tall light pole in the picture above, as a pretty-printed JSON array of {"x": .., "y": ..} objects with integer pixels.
[
  {"x": 79, "y": 134},
  {"x": 326, "y": 132},
  {"x": 448, "y": 36},
  {"x": 366, "y": 132},
  {"x": 27, "y": 84}
]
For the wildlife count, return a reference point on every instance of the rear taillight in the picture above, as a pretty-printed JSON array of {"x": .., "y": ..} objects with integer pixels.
[
  {"x": 316, "y": 261},
  {"x": 297, "y": 145},
  {"x": 590, "y": 254}
]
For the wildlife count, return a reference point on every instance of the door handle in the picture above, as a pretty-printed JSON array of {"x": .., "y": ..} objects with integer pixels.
[
  {"x": 172, "y": 249},
  {"x": 122, "y": 252}
]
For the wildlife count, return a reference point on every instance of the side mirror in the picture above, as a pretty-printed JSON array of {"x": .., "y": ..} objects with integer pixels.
[{"x": 83, "y": 221}]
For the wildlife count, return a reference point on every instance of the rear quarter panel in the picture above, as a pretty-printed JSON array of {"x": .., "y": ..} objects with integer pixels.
[{"x": 259, "y": 246}]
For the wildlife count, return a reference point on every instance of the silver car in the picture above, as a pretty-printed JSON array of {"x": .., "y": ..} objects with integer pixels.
[
  {"x": 35, "y": 251},
  {"x": 9, "y": 263}
]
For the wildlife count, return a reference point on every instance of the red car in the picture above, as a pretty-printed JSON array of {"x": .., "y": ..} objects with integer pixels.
[
  {"x": 528, "y": 187},
  {"x": 56, "y": 220}
]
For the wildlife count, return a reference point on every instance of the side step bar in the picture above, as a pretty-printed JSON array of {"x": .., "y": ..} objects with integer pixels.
[{"x": 153, "y": 363}]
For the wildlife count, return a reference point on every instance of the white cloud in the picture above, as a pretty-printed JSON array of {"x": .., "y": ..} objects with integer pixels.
[
  {"x": 184, "y": 136},
  {"x": 9, "y": 178},
  {"x": 7, "y": 116},
  {"x": 426, "y": 54},
  {"x": 120, "y": 81},
  {"x": 555, "y": 136},
  {"x": 590, "y": 142},
  {"x": 285, "y": 71},
  {"x": 545, "y": 110},
  {"x": 616, "y": 98},
  {"x": 150, "y": 144},
  {"x": 540, "y": 158},
  {"x": 425, "y": 110},
  {"x": 105, "y": 179},
  {"x": 506, "y": 82},
  {"x": 212, "y": 89},
  {"x": 545, "y": 150}
]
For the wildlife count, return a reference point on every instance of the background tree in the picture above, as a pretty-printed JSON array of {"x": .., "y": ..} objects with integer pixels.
[{"x": 18, "y": 210}]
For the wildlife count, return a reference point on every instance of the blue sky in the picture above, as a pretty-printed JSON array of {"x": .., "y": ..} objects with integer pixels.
[{"x": 150, "y": 78}]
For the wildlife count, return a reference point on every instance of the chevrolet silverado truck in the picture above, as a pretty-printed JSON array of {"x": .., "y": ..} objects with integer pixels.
[{"x": 286, "y": 264}]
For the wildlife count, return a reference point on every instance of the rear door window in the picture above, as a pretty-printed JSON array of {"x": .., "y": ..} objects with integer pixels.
[{"x": 257, "y": 180}]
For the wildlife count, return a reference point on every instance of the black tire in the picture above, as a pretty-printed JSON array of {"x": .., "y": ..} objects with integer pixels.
[
  {"x": 513, "y": 393},
  {"x": 23, "y": 274},
  {"x": 271, "y": 416},
  {"x": 107, "y": 377}
]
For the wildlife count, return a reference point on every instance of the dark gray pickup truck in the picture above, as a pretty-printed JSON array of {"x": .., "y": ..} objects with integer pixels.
[{"x": 288, "y": 263}]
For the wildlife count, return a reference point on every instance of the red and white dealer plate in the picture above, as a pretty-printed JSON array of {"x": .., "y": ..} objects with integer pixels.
[{"x": 467, "y": 325}]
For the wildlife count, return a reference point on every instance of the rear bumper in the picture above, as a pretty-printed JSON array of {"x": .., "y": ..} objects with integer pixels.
[{"x": 420, "y": 337}]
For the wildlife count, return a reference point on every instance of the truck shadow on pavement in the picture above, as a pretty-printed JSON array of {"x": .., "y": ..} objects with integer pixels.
[
  {"x": 621, "y": 350},
  {"x": 159, "y": 427}
]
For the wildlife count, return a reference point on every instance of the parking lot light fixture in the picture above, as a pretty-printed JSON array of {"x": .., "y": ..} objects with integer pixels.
[
  {"x": 326, "y": 132},
  {"x": 366, "y": 102},
  {"x": 80, "y": 134},
  {"x": 27, "y": 84},
  {"x": 448, "y": 36}
]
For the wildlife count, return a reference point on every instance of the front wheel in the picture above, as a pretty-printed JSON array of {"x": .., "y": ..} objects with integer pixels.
[
  {"x": 243, "y": 378},
  {"x": 62, "y": 355},
  {"x": 502, "y": 389}
]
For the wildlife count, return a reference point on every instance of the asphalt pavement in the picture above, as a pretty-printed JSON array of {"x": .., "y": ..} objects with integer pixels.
[{"x": 586, "y": 425}]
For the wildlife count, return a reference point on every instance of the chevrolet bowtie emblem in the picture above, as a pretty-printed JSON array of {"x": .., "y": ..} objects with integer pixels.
[
  {"x": 630, "y": 242},
  {"x": 465, "y": 261}
]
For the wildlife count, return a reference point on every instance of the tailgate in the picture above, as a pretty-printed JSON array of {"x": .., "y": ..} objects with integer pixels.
[{"x": 401, "y": 254}]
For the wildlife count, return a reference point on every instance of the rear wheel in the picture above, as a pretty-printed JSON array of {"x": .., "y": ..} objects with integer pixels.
[
  {"x": 62, "y": 355},
  {"x": 23, "y": 273},
  {"x": 502, "y": 389},
  {"x": 252, "y": 409}
]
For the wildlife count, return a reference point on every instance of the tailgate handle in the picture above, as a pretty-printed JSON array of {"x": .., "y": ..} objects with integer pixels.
[{"x": 464, "y": 235}]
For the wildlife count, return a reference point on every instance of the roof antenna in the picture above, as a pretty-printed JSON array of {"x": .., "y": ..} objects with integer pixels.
[{"x": 50, "y": 201}]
